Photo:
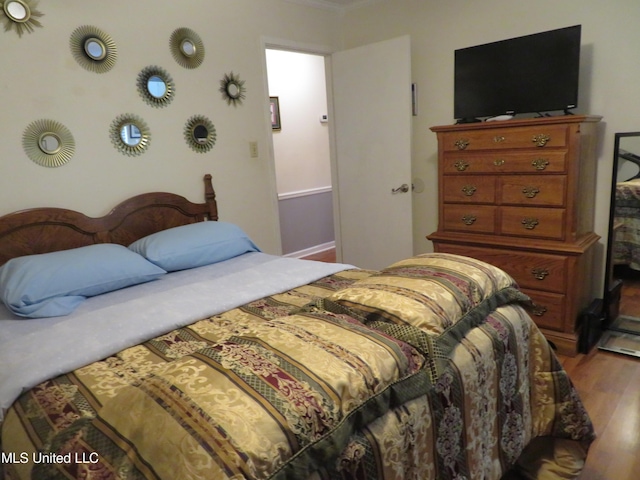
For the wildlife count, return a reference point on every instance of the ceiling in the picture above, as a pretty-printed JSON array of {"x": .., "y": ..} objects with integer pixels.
[
  {"x": 335, "y": 4},
  {"x": 340, "y": 3}
]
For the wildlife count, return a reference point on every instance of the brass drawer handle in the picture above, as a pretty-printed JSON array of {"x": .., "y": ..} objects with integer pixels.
[
  {"x": 530, "y": 192},
  {"x": 538, "y": 310},
  {"x": 540, "y": 163},
  {"x": 529, "y": 223},
  {"x": 539, "y": 273},
  {"x": 498, "y": 162},
  {"x": 461, "y": 165},
  {"x": 469, "y": 190},
  {"x": 469, "y": 219},
  {"x": 498, "y": 139},
  {"x": 461, "y": 144},
  {"x": 541, "y": 139}
]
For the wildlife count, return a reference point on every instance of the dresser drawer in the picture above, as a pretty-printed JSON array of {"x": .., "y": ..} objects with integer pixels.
[
  {"x": 469, "y": 189},
  {"x": 542, "y": 136},
  {"x": 534, "y": 190},
  {"x": 549, "y": 309},
  {"x": 470, "y": 218},
  {"x": 538, "y": 271},
  {"x": 533, "y": 222},
  {"x": 534, "y": 161}
]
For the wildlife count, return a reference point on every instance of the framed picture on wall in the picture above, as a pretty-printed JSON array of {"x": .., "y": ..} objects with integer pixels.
[{"x": 275, "y": 113}]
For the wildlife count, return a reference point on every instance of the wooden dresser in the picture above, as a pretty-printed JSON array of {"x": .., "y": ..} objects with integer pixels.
[{"x": 520, "y": 194}]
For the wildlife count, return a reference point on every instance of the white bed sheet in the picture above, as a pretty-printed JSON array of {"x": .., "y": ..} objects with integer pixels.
[{"x": 32, "y": 351}]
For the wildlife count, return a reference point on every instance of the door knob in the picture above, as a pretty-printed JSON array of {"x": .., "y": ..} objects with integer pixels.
[{"x": 404, "y": 188}]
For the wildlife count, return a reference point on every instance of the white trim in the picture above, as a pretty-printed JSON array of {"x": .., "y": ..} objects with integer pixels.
[
  {"x": 323, "y": 247},
  {"x": 304, "y": 193}
]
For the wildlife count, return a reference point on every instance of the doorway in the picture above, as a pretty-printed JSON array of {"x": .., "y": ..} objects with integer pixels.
[
  {"x": 369, "y": 140},
  {"x": 301, "y": 146}
]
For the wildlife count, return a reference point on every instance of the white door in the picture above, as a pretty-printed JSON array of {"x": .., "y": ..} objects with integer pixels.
[{"x": 371, "y": 88}]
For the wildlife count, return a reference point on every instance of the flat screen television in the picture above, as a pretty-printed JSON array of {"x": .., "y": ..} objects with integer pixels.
[{"x": 533, "y": 73}]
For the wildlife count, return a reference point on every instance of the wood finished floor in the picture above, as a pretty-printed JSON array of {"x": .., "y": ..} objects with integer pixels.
[
  {"x": 609, "y": 385},
  {"x": 326, "y": 256}
]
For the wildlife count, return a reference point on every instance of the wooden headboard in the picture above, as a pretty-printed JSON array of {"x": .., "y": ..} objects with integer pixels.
[{"x": 44, "y": 230}]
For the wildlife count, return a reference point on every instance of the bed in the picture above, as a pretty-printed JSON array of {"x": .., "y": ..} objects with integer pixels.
[{"x": 240, "y": 364}]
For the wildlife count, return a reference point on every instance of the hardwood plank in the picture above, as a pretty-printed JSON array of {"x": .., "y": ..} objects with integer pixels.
[
  {"x": 609, "y": 385},
  {"x": 328, "y": 256}
]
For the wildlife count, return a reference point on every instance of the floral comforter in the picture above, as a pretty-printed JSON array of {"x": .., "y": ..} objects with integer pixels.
[{"x": 429, "y": 369}]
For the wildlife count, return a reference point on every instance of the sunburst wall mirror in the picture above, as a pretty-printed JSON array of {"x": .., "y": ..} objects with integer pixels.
[
  {"x": 155, "y": 86},
  {"x": 19, "y": 14},
  {"x": 200, "y": 133},
  {"x": 232, "y": 89},
  {"x": 48, "y": 143},
  {"x": 186, "y": 47},
  {"x": 130, "y": 134},
  {"x": 93, "y": 49}
]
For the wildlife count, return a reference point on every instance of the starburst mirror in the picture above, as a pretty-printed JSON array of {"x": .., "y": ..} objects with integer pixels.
[
  {"x": 186, "y": 47},
  {"x": 93, "y": 49},
  {"x": 155, "y": 86},
  {"x": 232, "y": 89},
  {"x": 130, "y": 134},
  {"x": 19, "y": 14},
  {"x": 48, "y": 143},
  {"x": 200, "y": 133}
]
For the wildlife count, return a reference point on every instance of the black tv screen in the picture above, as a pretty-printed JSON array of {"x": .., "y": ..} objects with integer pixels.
[{"x": 534, "y": 73}]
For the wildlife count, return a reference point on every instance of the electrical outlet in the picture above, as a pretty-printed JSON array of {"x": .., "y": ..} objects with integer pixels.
[{"x": 253, "y": 149}]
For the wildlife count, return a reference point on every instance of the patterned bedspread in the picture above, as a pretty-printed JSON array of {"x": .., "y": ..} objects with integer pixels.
[
  {"x": 626, "y": 249},
  {"x": 430, "y": 369}
]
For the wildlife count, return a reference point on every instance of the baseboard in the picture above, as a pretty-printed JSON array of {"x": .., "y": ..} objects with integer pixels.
[
  {"x": 304, "y": 193},
  {"x": 323, "y": 247}
]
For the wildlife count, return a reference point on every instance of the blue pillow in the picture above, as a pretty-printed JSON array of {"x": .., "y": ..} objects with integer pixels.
[
  {"x": 54, "y": 284},
  {"x": 194, "y": 245}
]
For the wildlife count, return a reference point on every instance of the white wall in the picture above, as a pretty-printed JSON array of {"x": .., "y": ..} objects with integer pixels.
[
  {"x": 301, "y": 147},
  {"x": 40, "y": 79},
  {"x": 608, "y": 80}
]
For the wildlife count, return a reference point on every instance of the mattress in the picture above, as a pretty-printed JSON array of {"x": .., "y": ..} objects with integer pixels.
[{"x": 431, "y": 368}]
